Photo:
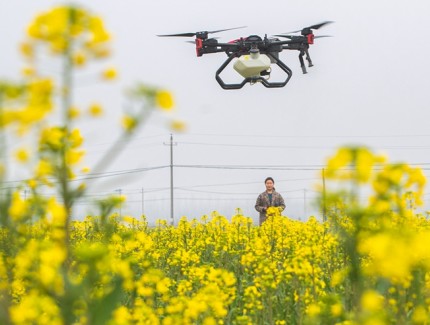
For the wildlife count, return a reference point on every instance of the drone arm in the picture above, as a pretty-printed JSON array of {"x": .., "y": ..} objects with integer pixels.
[{"x": 207, "y": 48}]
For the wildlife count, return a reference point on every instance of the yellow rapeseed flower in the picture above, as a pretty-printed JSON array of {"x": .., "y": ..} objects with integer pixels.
[
  {"x": 57, "y": 211},
  {"x": 79, "y": 59},
  {"x": 44, "y": 168},
  {"x": 18, "y": 209},
  {"x": 76, "y": 139},
  {"x": 52, "y": 137},
  {"x": 74, "y": 156},
  {"x": 28, "y": 71},
  {"x": 109, "y": 74},
  {"x": 27, "y": 49},
  {"x": 313, "y": 310},
  {"x": 122, "y": 316},
  {"x": 178, "y": 126},
  {"x": 420, "y": 315},
  {"x": 372, "y": 301},
  {"x": 95, "y": 110},
  {"x": 98, "y": 32},
  {"x": 341, "y": 159},
  {"x": 129, "y": 123},
  {"x": 390, "y": 255},
  {"x": 338, "y": 277},
  {"x": 364, "y": 164},
  {"x": 336, "y": 309},
  {"x": 32, "y": 183},
  {"x": 63, "y": 26},
  {"x": 22, "y": 155},
  {"x": 164, "y": 99},
  {"x": 73, "y": 113}
]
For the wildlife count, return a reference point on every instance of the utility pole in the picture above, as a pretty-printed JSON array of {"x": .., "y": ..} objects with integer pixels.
[
  {"x": 324, "y": 197},
  {"x": 171, "y": 144},
  {"x": 120, "y": 204},
  {"x": 142, "y": 201}
]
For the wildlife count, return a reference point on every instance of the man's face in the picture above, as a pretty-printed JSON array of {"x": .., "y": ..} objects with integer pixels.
[{"x": 269, "y": 185}]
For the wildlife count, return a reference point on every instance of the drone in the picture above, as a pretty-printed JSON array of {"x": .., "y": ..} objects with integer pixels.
[{"x": 254, "y": 55}]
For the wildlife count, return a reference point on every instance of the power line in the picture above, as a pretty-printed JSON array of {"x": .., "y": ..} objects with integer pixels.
[
  {"x": 256, "y": 167},
  {"x": 288, "y": 167},
  {"x": 265, "y": 146},
  {"x": 84, "y": 177},
  {"x": 235, "y": 193},
  {"x": 117, "y": 173},
  {"x": 223, "y": 167},
  {"x": 313, "y": 136}
]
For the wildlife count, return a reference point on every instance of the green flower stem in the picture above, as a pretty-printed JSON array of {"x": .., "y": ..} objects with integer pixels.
[
  {"x": 2, "y": 141},
  {"x": 116, "y": 148},
  {"x": 66, "y": 98},
  {"x": 5, "y": 297}
]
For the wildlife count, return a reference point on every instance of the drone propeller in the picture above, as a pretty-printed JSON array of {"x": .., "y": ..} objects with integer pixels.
[
  {"x": 323, "y": 36},
  {"x": 194, "y": 42},
  {"x": 316, "y": 26},
  {"x": 291, "y": 37},
  {"x": 195, "y": 34}
]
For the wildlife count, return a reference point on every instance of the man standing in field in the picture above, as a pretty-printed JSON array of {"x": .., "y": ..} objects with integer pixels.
[{"x": 269, "y": 198}]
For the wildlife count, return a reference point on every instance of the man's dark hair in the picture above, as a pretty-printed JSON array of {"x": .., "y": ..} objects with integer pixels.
[{"x": 269, "y": 179}]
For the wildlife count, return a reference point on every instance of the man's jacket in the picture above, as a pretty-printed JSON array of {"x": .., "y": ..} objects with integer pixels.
[{"x": 263, "y": 203}]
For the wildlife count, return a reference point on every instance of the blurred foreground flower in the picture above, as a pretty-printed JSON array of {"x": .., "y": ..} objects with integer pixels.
[
  {"x": 54, "y": 269},
  {"x": 110, "y": 74},
  {"x": 164, "y": 99},
  {"x": 95, "y": 110},
  {"x": 62, "y": 26}
]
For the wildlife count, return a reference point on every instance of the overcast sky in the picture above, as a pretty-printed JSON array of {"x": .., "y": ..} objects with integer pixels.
[{"x": 369, "y": 86}]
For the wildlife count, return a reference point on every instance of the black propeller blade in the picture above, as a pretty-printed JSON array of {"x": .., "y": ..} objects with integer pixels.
[
  {"x": 204, "y": 32},
  {"x": 286, "y": 36},
  {"x": 322, "y": 36},
  {"x": 291, "y": 37},
  {"x": 316, "y": 26},
  {"x": 179, "y": 35},
  {"x": 194, "y": 42}
]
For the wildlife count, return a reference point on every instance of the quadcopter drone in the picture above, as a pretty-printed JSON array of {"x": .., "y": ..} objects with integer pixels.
[{"x": 255, "y": 55}]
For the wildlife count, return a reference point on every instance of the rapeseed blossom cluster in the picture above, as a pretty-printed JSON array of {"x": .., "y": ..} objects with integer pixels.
[
  {"x": 53, "y": 270},
  {"x": 215, "y": 271}
]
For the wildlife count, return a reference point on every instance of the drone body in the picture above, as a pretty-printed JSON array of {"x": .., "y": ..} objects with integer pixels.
[{"x": 255, "y": 55}]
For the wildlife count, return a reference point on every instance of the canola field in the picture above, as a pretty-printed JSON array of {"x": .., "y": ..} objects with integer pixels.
[
  {"x": 216, "y": 271},
  {"x": 364, "y": 260}
]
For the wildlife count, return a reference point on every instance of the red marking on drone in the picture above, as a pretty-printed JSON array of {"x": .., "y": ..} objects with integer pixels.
[
  {"x": 199, "y": 46},
  {"x": 237, "y": 40}
]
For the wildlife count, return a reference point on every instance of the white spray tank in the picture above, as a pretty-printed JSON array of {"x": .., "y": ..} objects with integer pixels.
[{"x": 249, "y": 66}]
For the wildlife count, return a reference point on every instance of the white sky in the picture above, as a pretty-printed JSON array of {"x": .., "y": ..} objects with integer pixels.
[{"x": 369, "y": 86}]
